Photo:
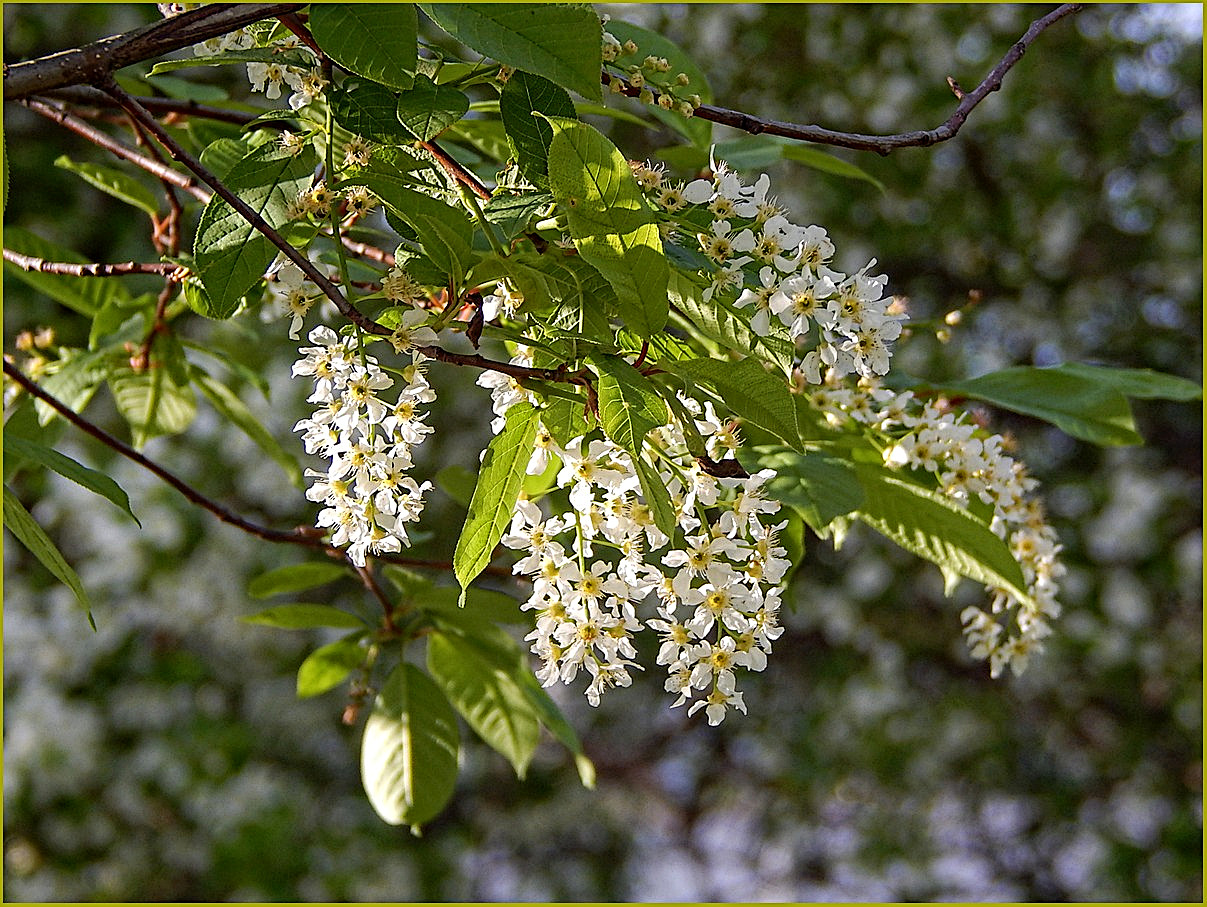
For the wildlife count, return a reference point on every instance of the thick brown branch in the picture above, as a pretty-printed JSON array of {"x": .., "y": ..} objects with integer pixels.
[
  {"x": 881, "y": 144},
  {"x": 88, "y": 269},
  {"x": 125, "y": 152},
  {"x": 96, "y": 62}
]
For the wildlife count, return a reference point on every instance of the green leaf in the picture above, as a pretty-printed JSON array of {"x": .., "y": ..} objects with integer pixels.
[
  {"x": 19, "y": 522},
  {"x": 1083, "y": 404},
  {"x": 374, "y": 40},
  {"x": 820, "y": 487},
  {"x": 187, "y": 90},
  {"x": 295, "y": 578},
  {"x": 96, "y": 482},
  {"x": 612, "y": 225},
  {"x": 551, "y": 716},
  {"x": 562, "y": 43},
  {"x": 228, "y": 405},
  {"x": 749, "y": 391},
  {"x": 428, "y": 109},
  {"x": 512, "y": 213},
  {"x": 113, "y": 182},
  {"x": 445, "y": 231},
  {"x": 231, "y": 255},
  {"x": 629, "y": 405},
  {"x": 408, "y": 757},
  {"x": 657, "y": 497},
  {"x": 152, "y": 401},
  {"x": 301, "y": 59},
  {"x": 328, "y": 665},
  {"x": 370, "y": 111},
  {"x": 1141, "y": 383},
  {"x": 565, "y": 419},
  {"x": 482, "y": 604},
  {"x": 723, "y": 326},
  {"x": 457, "y": 482},
  {"x": 529, "y": 136},
  {"x": 85, "y": 295},
  {"x": 499, "y": 480},
  {"x": 303, "y": 616},
  {"x": 929, "y": 524},
  {"x": 487, "y": 696},
  {"x": 221, "y": 155},
  {"x": 827, "y": 163},
  {"x": 76, "y": 380},
  {"x": 696, "y": 131}
]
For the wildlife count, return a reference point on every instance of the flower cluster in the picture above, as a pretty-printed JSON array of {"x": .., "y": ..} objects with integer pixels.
[
  {"x": 970, "y": 464},
  {"x": 367, "y": 496},
  {"x": 779, "y": 271},
  {"x": 651, "y": 77},
  {"x": 713, "y": 584}
]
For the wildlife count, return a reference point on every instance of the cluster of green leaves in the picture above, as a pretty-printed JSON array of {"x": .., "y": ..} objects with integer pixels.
[{"x": 620, "y": 285}]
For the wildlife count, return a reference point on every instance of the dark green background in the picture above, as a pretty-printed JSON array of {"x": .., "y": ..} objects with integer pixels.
[{"x": 165, "y": 757}]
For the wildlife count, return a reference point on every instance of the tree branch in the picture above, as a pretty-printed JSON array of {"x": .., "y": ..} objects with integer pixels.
[
  {"x": 116, "y": 148},
  {"x": 305, "y": 535},
  {"x": 881, "y": 144},
  {"x": 88, "y": 269},
  {"x": 97, "y": 62}
]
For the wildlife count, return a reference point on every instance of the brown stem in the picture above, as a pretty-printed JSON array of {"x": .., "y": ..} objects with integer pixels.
[
  {"x": 245, "y": 211},
  {"x": 455, "y": 170},
  {"x": 83, "y": 95},
  {"x": 88, "y": 269},
  {"x": 97, "y": 62},
  {"x": 881, "y": 144},
  {"x": 125, "y": 152}
]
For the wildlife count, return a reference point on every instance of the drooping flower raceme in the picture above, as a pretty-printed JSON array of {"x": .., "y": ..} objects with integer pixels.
[
  {"x": 603, "y": 571},
  {"x": 366, "y": 493}
]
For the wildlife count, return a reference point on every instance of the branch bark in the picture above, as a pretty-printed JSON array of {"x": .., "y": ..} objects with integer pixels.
[
  {"x": 883, "y": 144},
  {"x": 89, "y": 269},
  {"x": 93, "y": 64}
]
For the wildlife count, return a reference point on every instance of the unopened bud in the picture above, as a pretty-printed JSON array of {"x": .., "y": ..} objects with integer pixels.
[
  {"x": 683, "y": 79},
  {"x": 953, "y": 317},
  {"x": 646, "y": 96},
  {"x": 665, "y": 101},
  {"x": 943, "y": 335},
  {"x": 629, "y": 47}
]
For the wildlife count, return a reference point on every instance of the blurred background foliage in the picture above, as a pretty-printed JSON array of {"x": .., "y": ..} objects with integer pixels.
[{"x": 164, "y": 757}]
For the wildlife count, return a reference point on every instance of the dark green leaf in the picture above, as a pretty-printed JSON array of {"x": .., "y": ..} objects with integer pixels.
[
  {"x": 231, "y": 254},
  {"x": 18, "y": 521},
  {"x": 562, "y": 43},
  {"x": 304, "y": 616},
  {"x": 428, "y": 109},
  {"x": 929, "y": 524},
  {"x": 295, "y": 578},
  {"x": 512, "y": 213},
  {"x": 112, "y": 181},
  {"x": 749, "y": 391},
  {"x": 228, "y": 404},
  {"x": 487, "y": 696},
  {"x": 408, "y": 757},
  {"x": 552, "y": 717},
  {"x": 96, "y": 482},
  {"x": 528, "y": 135},
  {"x": 374, "y": 40},
  {"x": 84, "y": 294},
  {"x": 1141, "y": 383},
  {"x": 820, "y": 487},
  {"x": 369, "y": 110},
  {"x": 657, "y": 497}
]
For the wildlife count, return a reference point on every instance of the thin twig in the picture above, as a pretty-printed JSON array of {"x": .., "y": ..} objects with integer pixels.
[
  {"x": 366, "y": 577},
  {"x": 83, "y": 95},
  {"x": 305, "y": 536},
  {"x": 118, "y": 149},
  {"x": 881, "y": 144},
  {"x": 88, "y": 269},
  {"x": 455, "y": 170}
]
